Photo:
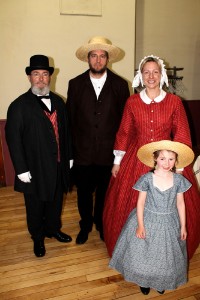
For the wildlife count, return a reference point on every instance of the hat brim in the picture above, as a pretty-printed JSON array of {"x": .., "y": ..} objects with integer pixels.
[
  {"x": 28, "y": 70},
  {"x": 185, "y": 153},
  {"x": 82, "y": 52}
]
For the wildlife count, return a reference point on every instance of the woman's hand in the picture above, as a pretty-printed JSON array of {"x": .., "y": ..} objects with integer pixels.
[{"x": 115, "y": 170}]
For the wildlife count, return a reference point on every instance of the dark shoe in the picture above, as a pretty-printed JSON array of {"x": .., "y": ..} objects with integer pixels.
[
  {"x": 97, "y": 227},
  {"x": 161, "y": 292},
  {"x": 144, "y": 290},
  {"x": 82, "y": 237},
  {"x": 39, "y": 248},
  {"x": 60, "y": 236}
]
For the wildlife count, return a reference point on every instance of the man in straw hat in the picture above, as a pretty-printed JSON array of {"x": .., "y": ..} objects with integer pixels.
[
  {"x": 95, "y": 104},
  {"x": 38, "y": 140}
]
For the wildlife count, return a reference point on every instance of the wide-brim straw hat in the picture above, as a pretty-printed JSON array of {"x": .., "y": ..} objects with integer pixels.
[
  {"x": 98, "y": 43},
  {"x": 185, "y": 153}
]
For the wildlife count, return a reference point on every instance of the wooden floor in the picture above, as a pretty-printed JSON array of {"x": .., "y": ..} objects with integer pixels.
[{"x": 67, "y": 271}]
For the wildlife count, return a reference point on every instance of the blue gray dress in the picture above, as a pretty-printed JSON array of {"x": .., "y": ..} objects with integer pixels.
[{"x": 160, "y": 260}]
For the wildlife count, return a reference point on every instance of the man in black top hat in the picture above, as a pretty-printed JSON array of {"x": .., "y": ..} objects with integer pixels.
[{"x": 39, "y": 143}]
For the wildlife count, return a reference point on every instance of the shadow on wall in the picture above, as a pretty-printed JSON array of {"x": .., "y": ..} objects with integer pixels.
[
  {"x": 192, "y": 108},
  {"x": 195, "y": 86}
]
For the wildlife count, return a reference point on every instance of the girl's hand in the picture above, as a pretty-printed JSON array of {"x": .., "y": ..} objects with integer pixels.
[
  {"x": 140, "y": 232},
  {"x": 183, "y": 234},
  {"x": 115, "y": 170}
]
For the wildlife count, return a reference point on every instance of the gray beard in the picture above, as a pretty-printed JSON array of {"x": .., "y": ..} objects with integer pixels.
[{"x": 37, "y": 91}]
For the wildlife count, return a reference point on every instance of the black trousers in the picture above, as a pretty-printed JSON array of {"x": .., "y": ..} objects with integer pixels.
[
  {"x": 44, "y": 216},
  {"x": 92, "y": 180}
]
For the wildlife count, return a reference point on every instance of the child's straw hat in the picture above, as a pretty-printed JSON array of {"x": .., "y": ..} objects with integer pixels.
[{"x": 185, "y": 153}]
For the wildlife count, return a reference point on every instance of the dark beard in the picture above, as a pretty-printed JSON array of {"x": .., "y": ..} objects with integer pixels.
[{"x": 101, "y": 71}]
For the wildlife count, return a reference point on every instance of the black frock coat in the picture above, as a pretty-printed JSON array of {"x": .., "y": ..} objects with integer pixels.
[
  {"x": 32, "y": 144},
  {"x": 94, "y": 122}
]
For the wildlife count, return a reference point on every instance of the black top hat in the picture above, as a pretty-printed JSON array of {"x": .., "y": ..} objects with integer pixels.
[{"x": 39, "y": 62}]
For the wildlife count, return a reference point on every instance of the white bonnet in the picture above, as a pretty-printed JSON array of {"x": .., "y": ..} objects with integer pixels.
[{"x": 138, "y": 77}]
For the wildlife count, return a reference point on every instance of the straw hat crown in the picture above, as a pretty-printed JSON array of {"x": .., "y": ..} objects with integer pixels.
[
  {"x": 185, "y": 153},
  {"x": 98, "y": 43}
]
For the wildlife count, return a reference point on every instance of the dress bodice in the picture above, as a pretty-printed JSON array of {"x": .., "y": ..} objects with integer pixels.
[
  {"x": 144, "y": 123},
  {"x": 163, "y": 202}
]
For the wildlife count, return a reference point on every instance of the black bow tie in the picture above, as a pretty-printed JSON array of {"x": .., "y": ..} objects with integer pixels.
[{"x": 43, "y": 97}]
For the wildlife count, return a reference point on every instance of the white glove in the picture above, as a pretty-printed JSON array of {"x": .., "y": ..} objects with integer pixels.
[
  {"x": 71, "y": 162},
  {"x": 25, "y": 177}
]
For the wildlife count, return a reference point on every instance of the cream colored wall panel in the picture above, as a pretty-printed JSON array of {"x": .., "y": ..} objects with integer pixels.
[
  {"x": 81, "y": 7},
  {"x": 29, "y": 27},
  {"x": 171, "y": 30}
]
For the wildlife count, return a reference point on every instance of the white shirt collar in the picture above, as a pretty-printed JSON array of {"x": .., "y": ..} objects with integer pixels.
[
  {"x": 100, "y": 80},
  {"x": 47, "y": 102},
  {"x": 147, "y": 100},
  {"x": 98, "y": 83}
]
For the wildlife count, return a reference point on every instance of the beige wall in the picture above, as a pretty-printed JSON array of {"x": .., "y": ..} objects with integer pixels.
[
  {"x": 171, "y": 29},
  {"x": 167, "y": 28},
  {"x": 29, "y": 27}
]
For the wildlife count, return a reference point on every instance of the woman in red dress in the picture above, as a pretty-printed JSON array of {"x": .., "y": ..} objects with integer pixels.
[{"x": 149, "y": 116}]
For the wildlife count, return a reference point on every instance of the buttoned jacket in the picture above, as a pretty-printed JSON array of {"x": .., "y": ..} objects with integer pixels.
[
  {"x": 94, "y": 122},
  {"x": 32, "y": 143}
]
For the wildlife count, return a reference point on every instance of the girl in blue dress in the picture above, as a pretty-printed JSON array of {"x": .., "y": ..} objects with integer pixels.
[{"x": 151, "y": 249}]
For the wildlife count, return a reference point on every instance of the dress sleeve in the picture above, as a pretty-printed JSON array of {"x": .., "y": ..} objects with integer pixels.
[
  {"x": 126, "y": 133},
  {"x": 180, "y": 128},
  {"x": 184, "y": 184},
  {"x": 142, "y": 184}
]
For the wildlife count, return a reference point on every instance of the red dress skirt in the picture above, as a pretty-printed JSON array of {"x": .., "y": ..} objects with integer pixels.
[{"x": 141, "y": 124}]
